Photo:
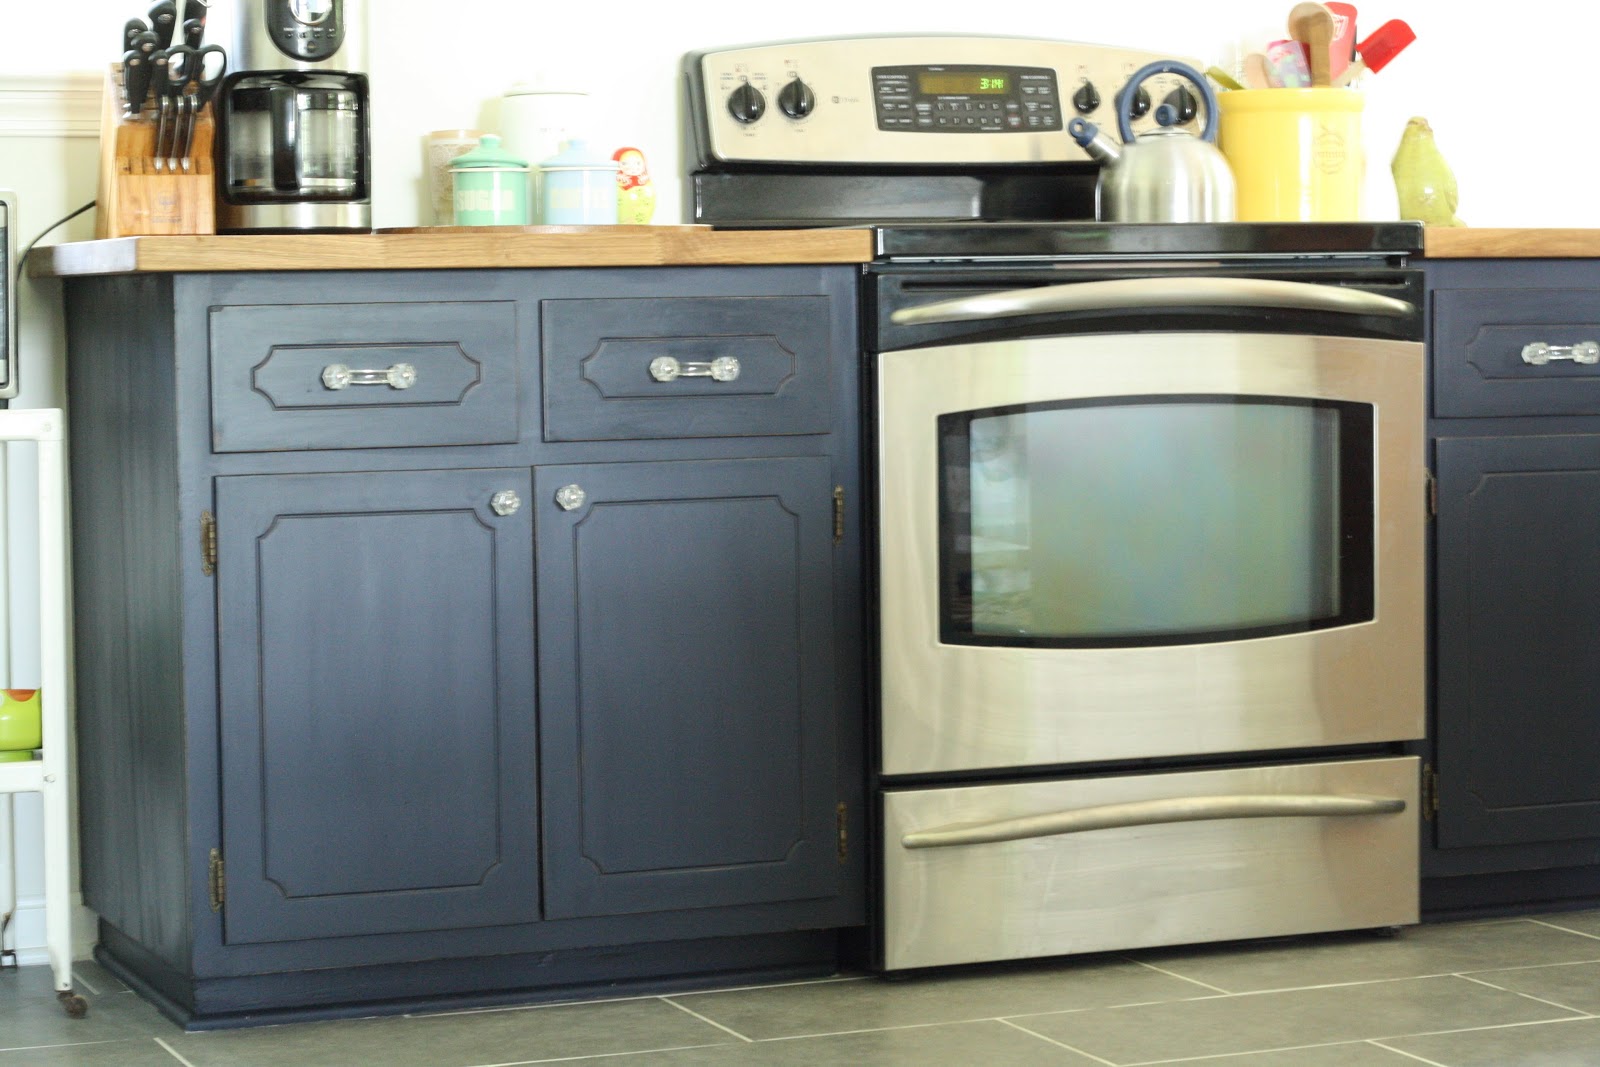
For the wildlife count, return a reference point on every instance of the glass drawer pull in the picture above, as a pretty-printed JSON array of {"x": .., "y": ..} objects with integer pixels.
[
  {"x": 721, "y": 369},
  {"x": 399, "y": 376},
  {"x": 1539, "y": 353}
]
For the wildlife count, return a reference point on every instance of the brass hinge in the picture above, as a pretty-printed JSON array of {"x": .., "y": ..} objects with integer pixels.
[
  {"x": 1433, "y": 495},
  {"x": 842, "y": 821},
  {"x": 838, "y": 514},
  {"x": 208, "y": 543},
  {"x": 1430, "y": 792},
  {"x": 219, "y": 881}
]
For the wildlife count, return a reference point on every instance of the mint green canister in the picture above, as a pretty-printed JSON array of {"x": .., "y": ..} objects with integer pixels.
[{"x": 491, "y": 186}]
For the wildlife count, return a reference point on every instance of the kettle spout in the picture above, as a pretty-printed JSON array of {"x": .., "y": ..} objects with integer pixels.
[{"x": 1102, "y": 148}]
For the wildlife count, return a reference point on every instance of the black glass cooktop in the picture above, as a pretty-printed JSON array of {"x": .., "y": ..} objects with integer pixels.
[{"x": 970, "y": 239}]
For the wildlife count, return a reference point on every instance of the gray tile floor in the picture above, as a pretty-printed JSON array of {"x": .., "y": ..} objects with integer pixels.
[{"x": 1498, "y": 993}]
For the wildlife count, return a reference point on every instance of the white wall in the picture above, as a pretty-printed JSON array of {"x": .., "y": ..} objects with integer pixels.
[{"x": 1504, "y": 98}]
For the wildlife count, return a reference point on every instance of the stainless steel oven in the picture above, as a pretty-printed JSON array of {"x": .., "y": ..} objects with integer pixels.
[
  {"x": 1146, "y": 544},
  {"x": 1150, "y": 600}
]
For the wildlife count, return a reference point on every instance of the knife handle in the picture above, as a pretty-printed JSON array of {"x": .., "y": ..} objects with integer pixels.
[
  {"x": 135, "y": 81},
  {"x": 164, "y": 21},
  {"x": 130, "y": 30},
  {"x": 193, "y": 30}
]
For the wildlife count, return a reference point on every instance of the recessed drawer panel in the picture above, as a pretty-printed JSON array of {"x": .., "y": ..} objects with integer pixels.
[
  {"x": 685, "y": 367},
  {"x": 363, "y": 375},
  {"x": 1046, "y": 868},
  {"x": 1516, "y": 352}
]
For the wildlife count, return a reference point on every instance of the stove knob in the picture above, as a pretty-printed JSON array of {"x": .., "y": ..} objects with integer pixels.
[
  {"x": 796, "y": 99},
  {"x": 1086, "y": 99},
  {"x": 1141, "y": 102},
  {"x": 1184, "y": 103},
  {"x": 746, "y": 103}
]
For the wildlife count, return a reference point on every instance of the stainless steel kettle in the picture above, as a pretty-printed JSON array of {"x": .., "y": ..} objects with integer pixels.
[{"x": 1166, "y": 174}]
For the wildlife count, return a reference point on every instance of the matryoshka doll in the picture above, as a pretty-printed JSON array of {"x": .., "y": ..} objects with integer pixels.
[{"x": 636, "y": 194}]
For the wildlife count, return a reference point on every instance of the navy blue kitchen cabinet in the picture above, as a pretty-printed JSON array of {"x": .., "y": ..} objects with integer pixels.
[
  {"x": 1515, "y": 439},
  {"x": 456, "y": 636}
]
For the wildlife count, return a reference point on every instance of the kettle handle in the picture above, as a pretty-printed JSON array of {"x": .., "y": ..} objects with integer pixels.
[{"x": 1166, "y": 66}]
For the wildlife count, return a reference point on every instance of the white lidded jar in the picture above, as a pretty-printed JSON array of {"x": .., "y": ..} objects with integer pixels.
[{"x": 535, "y": 121}]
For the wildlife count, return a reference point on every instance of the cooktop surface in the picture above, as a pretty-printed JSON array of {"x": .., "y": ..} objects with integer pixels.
[{"x": 968, "y": 239}]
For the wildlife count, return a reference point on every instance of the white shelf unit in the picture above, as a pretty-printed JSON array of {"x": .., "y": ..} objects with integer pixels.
[{"x": 50, "y": 775}]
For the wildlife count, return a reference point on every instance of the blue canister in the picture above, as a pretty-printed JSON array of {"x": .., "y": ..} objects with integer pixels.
[
  {"x": 578, "y": 187},
  {"x": 491, "y": 186}
]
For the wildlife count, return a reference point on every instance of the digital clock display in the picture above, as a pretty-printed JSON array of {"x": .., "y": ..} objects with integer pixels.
[{"x": 967, "y": 83}]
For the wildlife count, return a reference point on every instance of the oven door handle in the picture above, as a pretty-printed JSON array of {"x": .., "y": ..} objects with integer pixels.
[
  {"x": 1150, "y": 293},
  {"x": 1151, "y": 813}
]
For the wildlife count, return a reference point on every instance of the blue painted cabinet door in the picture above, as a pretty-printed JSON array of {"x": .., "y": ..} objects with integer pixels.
[
  {"x": 1518, "y": 666},
  {"x": 686, "y": 681},
  {"x": 377, "y": 705}
]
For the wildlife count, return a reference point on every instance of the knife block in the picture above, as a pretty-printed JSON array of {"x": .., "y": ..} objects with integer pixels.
[{"x": 134, "y": 198}]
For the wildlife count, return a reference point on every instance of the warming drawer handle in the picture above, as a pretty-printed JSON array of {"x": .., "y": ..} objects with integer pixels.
[
  {"x": 1143, "y": 294},
  {"x": 1151, "y": 813}
]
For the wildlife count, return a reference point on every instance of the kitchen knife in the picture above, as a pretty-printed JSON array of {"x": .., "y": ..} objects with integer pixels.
[
  {"x": 195, "y": 9},
  {"x": 135, "y": 80},
  {"x": 164, "y": 21},
  {"x": 158, "y": 78},
  {"x": 131, "y": 29},
  {"x": 193, "y": 30}
]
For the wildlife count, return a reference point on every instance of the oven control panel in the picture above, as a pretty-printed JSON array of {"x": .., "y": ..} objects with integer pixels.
[
  {"x": 966, "y": 99},
  {"x": 916, "y": 100}
]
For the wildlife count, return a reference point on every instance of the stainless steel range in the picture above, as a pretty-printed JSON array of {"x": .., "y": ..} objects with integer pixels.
[{"x": 1149, "y": 520}]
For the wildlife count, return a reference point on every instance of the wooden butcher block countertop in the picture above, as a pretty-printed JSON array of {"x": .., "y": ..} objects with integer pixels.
[
  {"x": 446, "y": 248},
  {"x": 1440, "y": 242}
]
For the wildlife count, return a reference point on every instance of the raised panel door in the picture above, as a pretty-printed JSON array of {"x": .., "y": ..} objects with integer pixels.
[
  {"x": 688, "y": 721},
  {"x": 1518, "y": 666},
  {"x": 377, "y": 704}
]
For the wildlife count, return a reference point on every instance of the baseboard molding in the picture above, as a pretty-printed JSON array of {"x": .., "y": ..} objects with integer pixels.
[
  {"x": 26, "y": 931},
  {"x": 52, "y": 105}
]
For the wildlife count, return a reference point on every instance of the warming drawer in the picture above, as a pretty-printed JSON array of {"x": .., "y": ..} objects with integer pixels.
[{"x": 1048, "y": 868}]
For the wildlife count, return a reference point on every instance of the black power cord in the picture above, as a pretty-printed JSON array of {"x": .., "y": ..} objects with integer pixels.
[{"x": 22, "y": 262}]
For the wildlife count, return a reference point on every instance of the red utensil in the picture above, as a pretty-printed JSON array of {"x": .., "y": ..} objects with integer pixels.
[{"x": 1386, "y": 42}]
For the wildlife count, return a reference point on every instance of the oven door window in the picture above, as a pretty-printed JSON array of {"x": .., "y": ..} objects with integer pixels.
[{"x": 1154, "y": 520}]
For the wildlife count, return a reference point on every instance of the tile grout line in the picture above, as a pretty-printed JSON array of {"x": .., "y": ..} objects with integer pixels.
[
  {"x": 1517, "y": 992},
  {"x": 713, "y": 1022},
  {"x": 581, "y": 1003},
  {"x": 1564, "y": 929},
  {"x": 600, "y": 1055},
  {"x": 1379, "y": 1043},
  {"x": 78, "y": 977},
  {"x": 1053, "y": 1041},
  {"x": 1181, "y": 977},
  {"x": 173, "y": 1052}
]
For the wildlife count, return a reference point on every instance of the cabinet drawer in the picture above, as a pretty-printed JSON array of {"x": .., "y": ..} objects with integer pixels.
[
  {"x": 278, "y": 375},
  {"x": 599, "y": 384},
  {"x": 1144, "y": 877},
  {"x": 1478, "y": 340}
]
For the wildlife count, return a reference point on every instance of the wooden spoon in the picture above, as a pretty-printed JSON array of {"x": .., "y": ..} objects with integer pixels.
[
  {"x": 1256, "y": 72},
  {"x": 1312, "y": 25}
]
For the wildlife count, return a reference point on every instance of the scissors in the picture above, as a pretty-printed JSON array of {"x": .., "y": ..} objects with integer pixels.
[{"x": 191, "y": 77}]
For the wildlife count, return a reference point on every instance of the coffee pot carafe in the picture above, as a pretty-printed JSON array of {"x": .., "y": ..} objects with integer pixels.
[
  {"x": 1165, "y": 174},
  {"x": 293, "y": 148}
]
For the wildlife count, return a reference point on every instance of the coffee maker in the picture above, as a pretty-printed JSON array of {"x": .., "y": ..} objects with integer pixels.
[{"x": 293, "y": 148}]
